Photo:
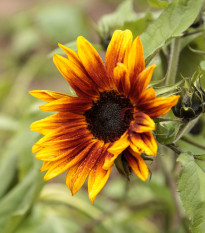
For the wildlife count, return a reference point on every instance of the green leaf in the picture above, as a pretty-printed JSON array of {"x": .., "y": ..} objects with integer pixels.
[
  {"x": 167, "y": 26},
  {"x": 167, "y": 90},
  {"x": 191, "y": 185},
  {"x": 110, "y": 22},
  {"x": 16, "y": 204},
  {"x": 200, "y": 160},
  {"x": 138, "y": 26},
  {"x": 158, "y": 3},
  {"x": 8, "y": 169}
]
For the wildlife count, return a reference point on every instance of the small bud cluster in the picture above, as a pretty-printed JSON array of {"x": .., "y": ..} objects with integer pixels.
[{"x": 192, "y": 101}]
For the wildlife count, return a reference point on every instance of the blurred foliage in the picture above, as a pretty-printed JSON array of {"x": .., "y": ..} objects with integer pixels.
[{"x": 27, "y": 205}]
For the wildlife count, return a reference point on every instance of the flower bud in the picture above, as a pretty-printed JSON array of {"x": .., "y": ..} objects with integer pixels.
[{"x": 192, "y": 101}]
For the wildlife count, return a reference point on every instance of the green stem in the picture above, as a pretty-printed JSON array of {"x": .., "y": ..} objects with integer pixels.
[
  {"x": 172, "y": 185},
  {"x": 173, "y": 62},
  {"x": 190, "y": 141},
  {"x": 185, "y": 128}
]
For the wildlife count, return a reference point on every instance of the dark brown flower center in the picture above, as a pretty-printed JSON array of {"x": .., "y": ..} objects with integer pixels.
[{"x": 109, "y": 116}]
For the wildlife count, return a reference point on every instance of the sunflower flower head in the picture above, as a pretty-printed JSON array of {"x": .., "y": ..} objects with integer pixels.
[{"x": 112, "y": 114}]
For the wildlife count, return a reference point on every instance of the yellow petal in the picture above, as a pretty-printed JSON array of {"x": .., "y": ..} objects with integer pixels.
[
  {"x": 78, "y": 174},
  {"x": 136, "y": 61},
  {"x": 121, "y": 42},
  {"x": 92, "y": 63},
  {"x": 116, "y": 148},
  {"x": 142, "y": 123},
  {"x": 97, "y": 178},
  {"x": 143, "y": 142},
  {"x": 47, "y": 96},
  {"x": 137, "y": 164}
]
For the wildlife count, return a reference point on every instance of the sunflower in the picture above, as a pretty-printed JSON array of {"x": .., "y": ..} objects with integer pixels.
[{"x": 111, "y": 114}]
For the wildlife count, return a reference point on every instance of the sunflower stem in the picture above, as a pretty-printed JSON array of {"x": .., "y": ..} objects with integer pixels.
[
  {"x": 190, "y": 141},
  {"x": 172, "y": 185},
  {"x": 173, "y": 62}
]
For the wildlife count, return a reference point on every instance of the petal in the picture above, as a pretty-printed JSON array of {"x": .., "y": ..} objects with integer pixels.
[
  {"x": 76, "y": 76},
  {"x": 142, "y": 123},
  {"x": 115, "y": 149},
  {"x": 98, "y": 177},
  {"x": 47, "y": 96},
  {"x": 78, "y": 174},
  {"x": 58, "y": 167},
  {"x": 158, "y": 106},
  {"x": 135, "y": 61},
  {"x": 44, "y": 126},
  {"x": 121, "y": 42},
  {"x": 62, "y": 138},
  {"x": 72, "y": 55},
  {"x": 121, "y": 79},
  {"x": 146, "y": 95},
  {"x": 137, "y": 164},
  {"x": 54, "y": 154},
  {"x": 76, "y": 105},
  {"x": 92, "y": 63},
  {"x": 143, "y": 142},
  {"x": 141, "y": 82}
]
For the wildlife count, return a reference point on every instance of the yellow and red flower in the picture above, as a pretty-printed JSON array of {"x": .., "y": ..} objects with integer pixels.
[{"x": 112, "y": 114}]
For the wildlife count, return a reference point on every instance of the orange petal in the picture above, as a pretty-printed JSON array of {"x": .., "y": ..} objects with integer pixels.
[
  {"x": 158, "y": 106},
  {"x": 58, "y": 167},
  {"x": 115, "y": 149},
  {"x": 44, "y": 126},
  {"x": 62, "y": 138},
  {"x": 142, "y": 123},
  {"x": 141, "y": 81},
  {"x": 76, "y": 105},
  {"x": 78, "y": 174},
  {"x": 137, "y": 164},
  {"x": 92, "y": 63},
  {"x": 76, "y": 76},
  {"x": 72, "y": 55},
  {"x": 98, "y": 178},
  {"x": 146, "y": 95},
  {"x": 135, "y": 61},
  {"x": 121, "y": 42},
  {"x": 54, "y": 154},
  {"x": 121, "y": 78},
  {"x": 143, "y": 142},
  {"x": 47, "y": 96}
]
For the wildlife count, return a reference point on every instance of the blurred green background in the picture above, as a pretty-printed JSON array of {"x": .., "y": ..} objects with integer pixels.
[{"x": 29, "y": 32}]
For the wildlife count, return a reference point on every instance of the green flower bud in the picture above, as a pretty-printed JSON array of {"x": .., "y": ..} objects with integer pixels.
[
  {"x": 192, "y": 101},
  {"x": 123, "y": 166}
]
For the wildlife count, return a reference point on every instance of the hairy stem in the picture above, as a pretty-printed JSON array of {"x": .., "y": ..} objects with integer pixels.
[
  {"x": 173, "y": 62},
  {"x": 194, "y": 143}
]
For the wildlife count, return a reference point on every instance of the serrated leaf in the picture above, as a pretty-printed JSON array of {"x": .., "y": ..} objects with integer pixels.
[
  {"x": 167, "y": 26},
  {"x": 198, "y": 219},
  {"x": 158, "y": 4},
  {"x": 191, "y": 185}
]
